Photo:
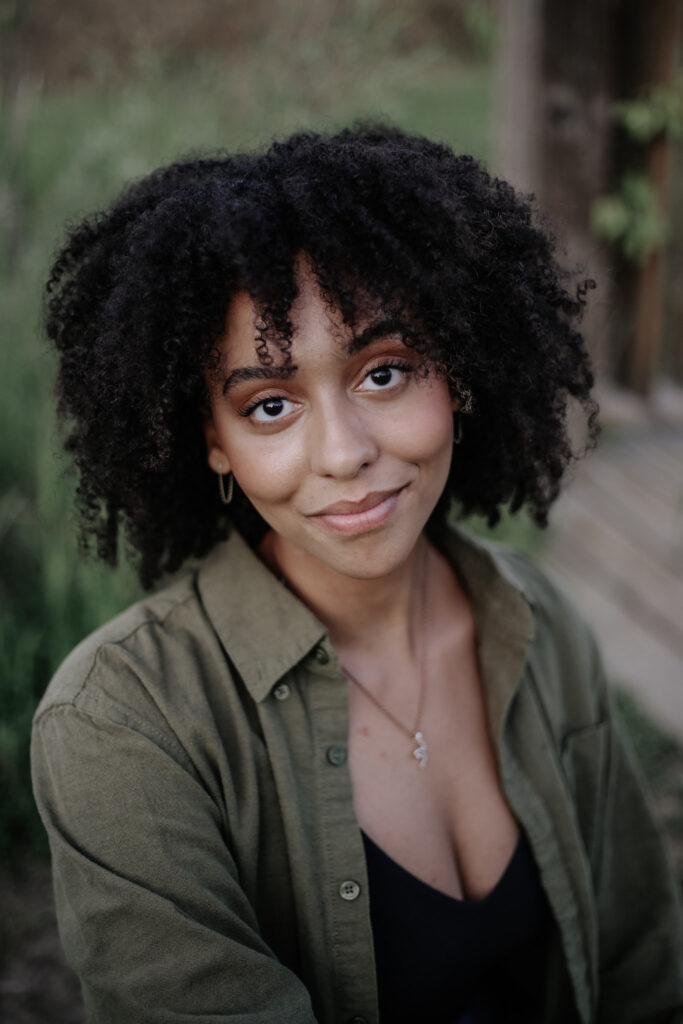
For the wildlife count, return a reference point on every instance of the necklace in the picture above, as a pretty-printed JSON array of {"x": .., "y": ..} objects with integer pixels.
[{"x": 420, "y": 752}]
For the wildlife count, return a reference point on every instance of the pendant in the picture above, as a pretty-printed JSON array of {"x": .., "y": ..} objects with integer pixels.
[{"x": 420, "y": 752}]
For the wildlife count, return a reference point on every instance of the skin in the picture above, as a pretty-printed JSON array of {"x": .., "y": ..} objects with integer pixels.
[
  {"x": 362, "y": 426},
  {"x": 342, "y": 434}
]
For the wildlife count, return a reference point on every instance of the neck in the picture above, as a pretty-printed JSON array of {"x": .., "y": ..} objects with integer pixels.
[{"x": 358, "y": 611}]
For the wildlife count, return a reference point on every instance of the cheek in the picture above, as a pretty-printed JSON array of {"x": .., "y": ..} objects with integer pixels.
[
  {"x": 267, "y": 472},
  {"x": 427, "y": 433}
]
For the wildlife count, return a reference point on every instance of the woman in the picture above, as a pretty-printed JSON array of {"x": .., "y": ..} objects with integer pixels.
[{"x": 351, "y": 754}]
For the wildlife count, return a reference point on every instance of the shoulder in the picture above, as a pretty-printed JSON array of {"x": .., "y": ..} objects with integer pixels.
[
  {"x": 553, "y": 610},
  {"x": 123, "y": 671},
  {"x": 564, "y": 659},
  {"x": 555, "y": 613},
  {"x": 564, "y": 664}
]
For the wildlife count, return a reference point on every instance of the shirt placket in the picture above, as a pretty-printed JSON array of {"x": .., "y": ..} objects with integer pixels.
[{"x": 345, "y": 882}]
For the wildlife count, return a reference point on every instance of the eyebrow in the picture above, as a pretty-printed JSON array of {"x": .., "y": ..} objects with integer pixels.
[
  {"x": 381, "y": 329},
  {"x": 243, "y": 373}
]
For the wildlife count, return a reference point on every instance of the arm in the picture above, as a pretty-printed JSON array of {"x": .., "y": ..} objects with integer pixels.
[
  {"x": 637, "y": 903},
  {"x": 629, "y": 899},
  {"x": 151, "y": 913}
]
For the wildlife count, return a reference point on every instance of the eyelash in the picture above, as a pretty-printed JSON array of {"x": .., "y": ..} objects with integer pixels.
[
  {"x": 246, "y": 410},
  {"x": 391, "y": 364},
  {"x": 386, "y": 364}
]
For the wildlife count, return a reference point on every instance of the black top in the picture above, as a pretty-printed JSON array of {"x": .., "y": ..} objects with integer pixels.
[{"x": 451, "y": 961}]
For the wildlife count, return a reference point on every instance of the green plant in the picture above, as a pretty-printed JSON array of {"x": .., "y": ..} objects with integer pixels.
[
  {"x": 516, "y": 531},
  {"x": 481, "y": 26},
  {"x": 659, "y": 112},
  {"x": 631, "y": 218}
]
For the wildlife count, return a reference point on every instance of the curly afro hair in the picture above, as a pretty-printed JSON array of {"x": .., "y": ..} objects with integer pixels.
[{"x": 137, "y": 300}]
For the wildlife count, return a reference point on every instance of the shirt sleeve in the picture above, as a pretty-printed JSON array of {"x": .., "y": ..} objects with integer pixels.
[
  {"x": 151, "y": 913},
  {"x": 638, "y": 949},
  {"x": 640, "y": 953}
]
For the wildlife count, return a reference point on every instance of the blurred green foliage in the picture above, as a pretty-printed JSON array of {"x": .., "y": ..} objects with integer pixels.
[
  {"x": 518, "y": 531},
  {"x": 481, "y": 26},
  {"x": 660, "y": 112},
  {"x": 65, "y": 153},
  {"x": 631, "y": 218}
]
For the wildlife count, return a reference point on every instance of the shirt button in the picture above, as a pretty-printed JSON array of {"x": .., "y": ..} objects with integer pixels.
[
  {"x": 336, "y": 755},
  {"x": 281, "y": 691},
  {"x": 349, "y": 890},
  {"x": 321, "y": 655}
]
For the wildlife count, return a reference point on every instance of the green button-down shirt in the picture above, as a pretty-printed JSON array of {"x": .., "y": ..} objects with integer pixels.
[{"x": 190, "y": 766}]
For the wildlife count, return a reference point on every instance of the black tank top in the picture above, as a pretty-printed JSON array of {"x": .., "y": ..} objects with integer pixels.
[{"x": 448, "y": 961}]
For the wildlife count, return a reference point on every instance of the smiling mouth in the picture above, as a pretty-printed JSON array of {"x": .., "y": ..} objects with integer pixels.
[
  {"x": 359, "y": 516},
  {"x": 342, "y": 508}
]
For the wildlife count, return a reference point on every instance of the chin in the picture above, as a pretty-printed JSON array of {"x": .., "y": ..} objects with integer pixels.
[{"x": 371, "y": 557}]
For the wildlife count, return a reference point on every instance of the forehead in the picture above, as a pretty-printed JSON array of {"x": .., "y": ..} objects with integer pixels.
[
  {"x": 317, "y": 327},
  {"x": 310, "y": 315}
]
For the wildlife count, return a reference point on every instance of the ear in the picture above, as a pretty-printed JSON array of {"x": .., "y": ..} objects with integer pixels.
[{"x": 218, "y": 460}]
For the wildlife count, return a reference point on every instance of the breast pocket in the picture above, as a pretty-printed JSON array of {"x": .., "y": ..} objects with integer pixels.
[{"x": 584, "y": 755}]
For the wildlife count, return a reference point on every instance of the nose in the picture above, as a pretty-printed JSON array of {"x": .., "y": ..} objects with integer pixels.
[{"x": 342, "y": 442}]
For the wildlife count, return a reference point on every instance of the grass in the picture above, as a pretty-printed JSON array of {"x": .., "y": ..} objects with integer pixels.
[{"x": 65, "y": 153}]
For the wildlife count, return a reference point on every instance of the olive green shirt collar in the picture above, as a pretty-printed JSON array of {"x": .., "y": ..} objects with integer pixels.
[
  {"x": 263, "y": 625},
  {"x": 268, "y": 630}
]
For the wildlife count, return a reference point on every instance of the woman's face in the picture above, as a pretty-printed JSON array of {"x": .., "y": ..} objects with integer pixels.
[{"x": 344, "y": 453}]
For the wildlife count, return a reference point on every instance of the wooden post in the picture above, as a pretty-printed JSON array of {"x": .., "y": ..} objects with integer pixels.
[
  {"x": 561, "y": 68},
  {"x": 650, "y": 33},
  {"x": 555, "y": 75},
  {"x": 518, "y": 93},
  {"x": 578, "y": 70},
  {"x": 649, "y": 301},
  {"x": 673, "y": 325}
]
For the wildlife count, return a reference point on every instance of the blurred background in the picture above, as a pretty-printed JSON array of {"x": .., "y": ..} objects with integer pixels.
[{"x": 581, "y": 104}]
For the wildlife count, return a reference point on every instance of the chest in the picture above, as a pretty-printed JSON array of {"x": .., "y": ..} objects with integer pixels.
[
  {"x": 293, "y": 810},
  {"x": 445, "y": 820}
]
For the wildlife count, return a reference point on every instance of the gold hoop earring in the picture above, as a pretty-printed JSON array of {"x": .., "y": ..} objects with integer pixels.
[
  {"x": 225, "y": 498},
  {"x": 457, "y": 436}
]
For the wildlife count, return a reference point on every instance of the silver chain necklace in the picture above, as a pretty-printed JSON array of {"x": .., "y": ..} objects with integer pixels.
[{"x": 420, "y": 752}]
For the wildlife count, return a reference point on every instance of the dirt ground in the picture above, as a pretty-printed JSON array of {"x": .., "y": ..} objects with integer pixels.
[
  {"x": 36, "y": 984},
  {"x": 38, "y": 987}
]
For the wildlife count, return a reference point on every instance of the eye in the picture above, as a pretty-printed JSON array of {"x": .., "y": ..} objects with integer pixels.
[
  {"x": 267, "y": 410},
  {"x": 386, "y": 375}
]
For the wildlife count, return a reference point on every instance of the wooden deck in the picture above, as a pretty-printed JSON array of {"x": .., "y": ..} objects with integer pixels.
[{"x": 616, "y": 545}]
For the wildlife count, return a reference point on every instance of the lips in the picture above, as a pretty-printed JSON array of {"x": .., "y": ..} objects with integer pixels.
[
  {"x": 342, "y": 508},
  {"x": 359, "y": 517}
]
